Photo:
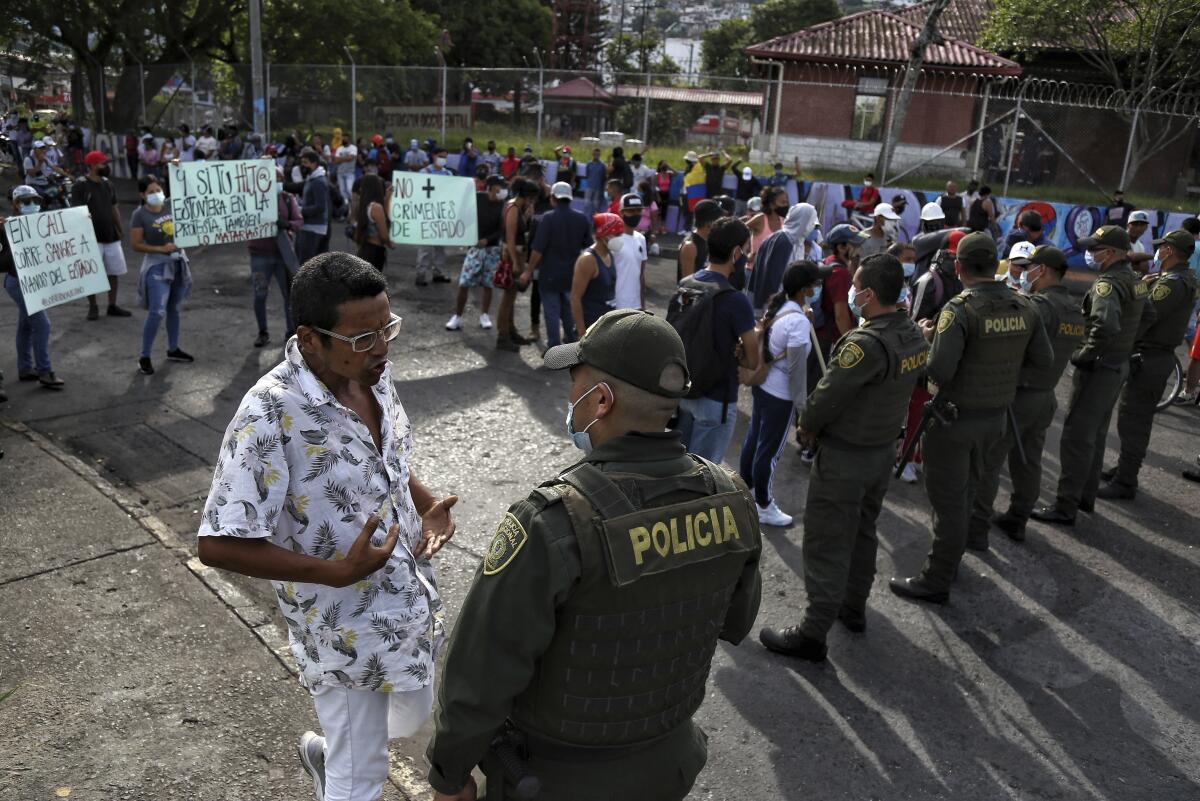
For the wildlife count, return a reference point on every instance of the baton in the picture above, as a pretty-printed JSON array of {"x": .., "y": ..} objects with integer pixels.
[
  {"x": 942, "y": 412},
  {"x": 505, "y": 748},
  {"x": 1012, "y": 421},
  {"x": 816, "y": 343}
]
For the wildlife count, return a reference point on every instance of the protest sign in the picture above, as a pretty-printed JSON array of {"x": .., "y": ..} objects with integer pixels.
[
  {"x": 433, "y": 210},
  {"x": 213, "y": 202},
  {"x": 57, "y": 257}
]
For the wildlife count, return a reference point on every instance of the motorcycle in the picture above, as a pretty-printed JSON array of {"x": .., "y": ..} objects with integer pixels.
[{"x": 57, "y": 193}]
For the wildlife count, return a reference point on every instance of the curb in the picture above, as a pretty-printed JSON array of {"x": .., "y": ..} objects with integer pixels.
[{"x": 269, "y": 633}]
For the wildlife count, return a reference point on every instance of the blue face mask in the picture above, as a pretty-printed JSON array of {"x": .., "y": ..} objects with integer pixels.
[
  {"x": 581, "y": 439},
  {"x": 851, "y": 299},
  {"x": 815, "y": 300},
  {"x": 1027, "y": 282},
  {"x": 30, "y": 208},
  {"x": 900, "y": 301},
  {"x": 813, "y": 236},
  {"x": 1089, "y": 258},
  {"x": 910, "y": 268}
]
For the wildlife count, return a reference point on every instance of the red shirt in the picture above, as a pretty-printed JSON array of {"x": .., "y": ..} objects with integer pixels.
[
  {"x": 615, "y": 206},
  {"x": 835, "y": 289},
  {"x": 508, "y": 166},
  {"x": 868, "y": 199}
]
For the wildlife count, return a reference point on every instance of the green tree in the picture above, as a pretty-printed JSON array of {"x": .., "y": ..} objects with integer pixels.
[
  {"x": 723, "y": 48},
  {"x": 780, "y": 17}
]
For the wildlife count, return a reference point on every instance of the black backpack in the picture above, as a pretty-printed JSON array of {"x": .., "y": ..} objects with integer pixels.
[{"x": 691, "y": 313}]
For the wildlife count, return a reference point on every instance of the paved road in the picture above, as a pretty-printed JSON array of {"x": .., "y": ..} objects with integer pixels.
[{"x": 1064, "y": 668}]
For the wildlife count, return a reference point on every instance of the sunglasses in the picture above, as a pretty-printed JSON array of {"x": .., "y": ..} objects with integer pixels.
[{"x": 364, "y": 342}]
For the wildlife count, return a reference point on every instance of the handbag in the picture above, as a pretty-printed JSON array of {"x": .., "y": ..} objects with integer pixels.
[{"x": 503, "y": 277}]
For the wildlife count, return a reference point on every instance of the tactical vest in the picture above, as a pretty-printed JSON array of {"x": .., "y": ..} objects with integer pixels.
[
  {"x": 1173, "y": 296},
  {"x": 999, "y": 327},
  {"x": 660, "y": 558},
  {"x": 876, "y": 413},
  {"x": 1133, "y": 294},
  {"x": 1065, "y": 325}
]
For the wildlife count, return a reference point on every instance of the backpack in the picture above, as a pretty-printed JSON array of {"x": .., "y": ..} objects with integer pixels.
[
  {"x": 691, "y": 312},
  {"x": 337, "y": 202},
  {"x": 756, "y": 377}
]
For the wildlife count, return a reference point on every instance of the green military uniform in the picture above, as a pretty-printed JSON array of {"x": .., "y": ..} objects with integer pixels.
[
  {"x": 857, "y": 412},
  {"x": 1171, "y": 297},
  {"x": 984, "y": 336},
  {"x": 591, "y": 623},
  {"x": 1033, "y": 408},
  {"x": 1113, "y": 311}
]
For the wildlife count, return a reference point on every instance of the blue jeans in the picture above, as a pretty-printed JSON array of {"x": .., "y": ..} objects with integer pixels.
[
  {"x": 700, "y": 425},
  {"x": 33, "y": 333},
  {"x": 262, "y": 269},
  {"x": 559, "y": 321},
  {"x": 769, "y": 423},
  {"x": 597, "y": 200},
  {"x": 163, "y": 298}
]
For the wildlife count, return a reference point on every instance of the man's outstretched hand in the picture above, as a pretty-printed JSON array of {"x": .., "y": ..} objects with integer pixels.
[
  {"x": 437, "y": 527},
  {"x": 365, "y": 558}
]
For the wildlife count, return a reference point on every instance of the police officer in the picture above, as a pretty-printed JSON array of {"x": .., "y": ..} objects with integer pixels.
[
  {"x": 1034, "y": 406},
  {"x": 983, "y": 337},
  {"x": 854, "y": 415},
  {"x": 1113, "y": 310},
  {"x": 585, "y": 641},
  {"x": 1171, "y": 296}
]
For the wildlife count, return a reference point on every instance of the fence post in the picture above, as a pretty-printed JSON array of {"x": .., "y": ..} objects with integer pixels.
[
  {"x": 1129, "y": 147},
  {"x": 354, "y": 97},
  {"x": 778, "y": 111},
  {"x": 646, "y": 115},
  {"x": 987, "y": 94},
  {"x": 267, "y": 101},
  {"x": 1012, "y": 144},
  {"x": 541, "y": 98}
]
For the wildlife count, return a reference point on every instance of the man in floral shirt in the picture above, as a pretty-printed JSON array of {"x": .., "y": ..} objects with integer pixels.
[{"x": 312, "y": 490}]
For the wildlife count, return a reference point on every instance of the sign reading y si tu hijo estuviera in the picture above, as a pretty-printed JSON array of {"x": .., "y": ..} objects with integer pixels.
[
  {"x": 213, "y": 202},
  {"x": 57, "y": 257},
  {"x": 433, "y": 210}
]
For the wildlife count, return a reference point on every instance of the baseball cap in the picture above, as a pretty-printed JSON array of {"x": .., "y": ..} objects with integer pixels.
[
  {"x": 1021, "y": 253},
  {"x": 608, "y": 224},
  {"x": 691, "y": 156},
  {"x": 566, "y": 148},
  {"x": 1180, "y": 240},
  {"x": 932, "y": 211},
  {"x": 528, "y": 148},
  {"x": 606, "y": 346},
  {"x": 561, "y": 190},
  {"x": 747, "y": 173},
  {"x": 632, "y": 201},
  {"x": 1106, "y": 236},
  {"x": 885, "y": 211},
  {"x": 1139, "y": 216},
  {"x": 1050, "y": 256},
  {"x": 377, "y": 139},
  {"x": 47, "y": 141},
  {"x": 95, "y": 157},
  {"x": 975, "y": 245},
  {"x": 754, "y": 204},
  {"x": 707, "y": 212},
  {"x": 843, "y": 233},
  {"x": 494, "y": 180},
  {"x": 728, "y": 205},
  {"x": 23, "y": 190},
  {"x": 39, "y": 143},
  {"x": 952, "y": 241}
]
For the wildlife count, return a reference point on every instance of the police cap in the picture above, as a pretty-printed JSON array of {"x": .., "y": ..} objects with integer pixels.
[
  {"x": 1181, "y": 241},
  {"x": 632, "y": 345},
  {"x": 1106, "y": 236},
  {"x": 976, "y": 247},
  {"x": 1050, "y": 256}
]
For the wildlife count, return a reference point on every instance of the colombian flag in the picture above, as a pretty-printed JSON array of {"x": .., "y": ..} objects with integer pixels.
[{"x": 693, "y": 186}]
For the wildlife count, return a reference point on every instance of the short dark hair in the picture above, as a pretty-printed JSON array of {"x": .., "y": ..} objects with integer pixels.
[
  {"x": 985, "y": 190},
  {"x": 1031, "y": 220},
  {"x": 727, "y": 233},
  {"x": 308, "y": 154},
  {"x": 327, "y": 281},
  {"x": 882, "y": 274},
  {"x": 145, "y": 181},
  {"x": 897, "y": 249},
  {"x": 1191, "y": 225}
]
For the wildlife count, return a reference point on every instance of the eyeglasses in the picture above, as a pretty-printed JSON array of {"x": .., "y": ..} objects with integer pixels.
[{"x": 364, "y": 342}]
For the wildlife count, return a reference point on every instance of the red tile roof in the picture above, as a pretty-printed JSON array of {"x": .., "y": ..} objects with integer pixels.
[
  {"x": 577, "y": 89},
  {"x": 963, "y": 19},
  {"x": 879, "y": 38},
  {"x": 712, "y": 97}
]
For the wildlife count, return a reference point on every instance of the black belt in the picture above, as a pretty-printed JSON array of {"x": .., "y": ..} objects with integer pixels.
[{"x": 558, "y": 751}]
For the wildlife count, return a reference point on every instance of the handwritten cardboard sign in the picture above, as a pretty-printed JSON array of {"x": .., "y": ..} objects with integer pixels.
[
  {"x": 214, "y": 202},
  {"x": 57, "y": 257},
  {"x": 433, "y": 209}
]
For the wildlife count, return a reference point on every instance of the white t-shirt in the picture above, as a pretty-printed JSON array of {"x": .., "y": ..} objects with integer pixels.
[
  {"x": 187, "y": 148},
  {"x": 628, "y": 291},
  {"x": 346, "y": 167},
  {"x": 207, "y": 145},
  {"x": 787, "y": 333}
]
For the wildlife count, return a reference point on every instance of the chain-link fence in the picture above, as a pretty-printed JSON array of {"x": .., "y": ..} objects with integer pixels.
[{"x": 828, "y": 121}]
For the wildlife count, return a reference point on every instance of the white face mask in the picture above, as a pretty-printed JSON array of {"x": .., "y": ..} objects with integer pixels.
[
  {"x": 867, "y": 183},
  {"x": 502, "y": 194},
  {"x": 615, "y": 245},
  {"x": 156, "y": 199},
  {"x": 440, "y": 161}
]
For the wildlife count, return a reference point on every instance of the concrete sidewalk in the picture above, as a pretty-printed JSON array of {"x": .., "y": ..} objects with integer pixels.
[{"x": 139, "y": 673}]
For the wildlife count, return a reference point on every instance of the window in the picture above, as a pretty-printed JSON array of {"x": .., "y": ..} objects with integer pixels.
[{"x": 870, "y": 108}]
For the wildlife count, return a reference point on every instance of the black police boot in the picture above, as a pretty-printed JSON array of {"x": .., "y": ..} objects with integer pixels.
[
  {"x": 977, "y": 541},
  {"x": 1011, "y": 525},
  {"x": 1052, "y": 514},
  {"x": 793, "y": 642},
  {"x": 1116, "y": 491},
  {"x": 1192, "y": 475},
  {"x": 1087, "y": 505},
  {"x": 853, "y": 619},
  {"x": 1108, "y": 474},
  {"x": 917, "y": 590}
]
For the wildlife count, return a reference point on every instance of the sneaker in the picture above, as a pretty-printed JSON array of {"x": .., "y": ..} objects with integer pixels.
[
  {"x": 1185, "y": 398},
  {"x": 312, "y": 757},
  {"x": 422, "y": 282},
  {"x": 3, "y": 395},
  {"x": 27, "y": 376},
  {"x": 772, "y": 515},
  {"x": 145, "y": 367},
  {"x": 485, "y": 322},
  {"x": 807, "y": 456},
  {"x": 93, "y": 312},
  {"x": 441, "y": 279},
  {"x": 178, "y": 355},
  {"x": 117, "y": 311},
  {"x": 508, "y": 345},
  {"x": 50, "y": 381},
  {"x": 909, "y": 474},
  {"x": 654, "y": 249},
  {"x": 262, "y": 339},
  {"x": 454, "y": 324}
]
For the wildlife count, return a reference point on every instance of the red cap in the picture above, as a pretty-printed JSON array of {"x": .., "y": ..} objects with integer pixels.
[
  {"x": 377, "y": 139},
  {"x": 953, "y": 239},
  {"x": 608, "y": 224},
  {"x": 566, "y": 149},
  {"x": 95, "y": 157}
]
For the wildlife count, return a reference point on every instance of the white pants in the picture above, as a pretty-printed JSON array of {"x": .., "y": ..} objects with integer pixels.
[{"x": 357, "y": 725}]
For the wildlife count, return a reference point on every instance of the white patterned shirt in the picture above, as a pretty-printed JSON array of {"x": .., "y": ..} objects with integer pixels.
[{"x": 299, "y": 468}]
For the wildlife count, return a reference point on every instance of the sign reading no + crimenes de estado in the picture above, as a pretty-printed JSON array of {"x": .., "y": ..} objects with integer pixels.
[
  {"x": 57, "y": 257},
  {"x": 433, "y": 210},
  {"x": 213, "y": 202}
]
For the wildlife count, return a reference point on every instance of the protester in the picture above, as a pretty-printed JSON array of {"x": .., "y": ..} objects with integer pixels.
[
  {"x": 315, "y": 206},
  {"x": 165, "y": 278},
  {"x": 513, "y": 267},
  {"x": 562, "y": 234},
  {"x": 1027, "y": 229},
  {"x": 510, "y": 164},
  {"x": 882, "y": 233},
  {"x": 148, "y": 157},
  {"x": 951, "y": 205},
  {"x": 415, "y": 158},
  {"x": 619, "y": 169},
  {"x": 868, "y": 196},
  {"x": 981, "y": 214},
  {"x": 345, "y": 158},
  {"x": 1118, "y": 213},
  {"x": 187, "y": 144},
  {"x": 481, "y": 260},
  {"x": 431, "y": 259},
  {"x": 372, "y": 231},
  {"x": 367, "y": 651},
  {"x": 100, "y": 197},
  {"x": 694, "y": 188},
  {"x": 33, "y": 330},
  {"x": 595, "y": 275},
  {"x": 490, "y": 158},
  {"x": 206, "y": 145},
  {"x": 786, "y": 343},
  {"x": 662, "y": 184},
  {"x": 795, "y": 241},
  {"x": 231, "y": 147},
  {"x": 630, "y": 257},
  {"x": 693, "y": 253},
  {"x": 747, "y": 187},
  {"x": 616, "y": 190},
  {"x": 273, "y": 258},
  {"x": 715, "y": 165},
  {"x": 766, "y": 220},
  {"x": 1136, "y": 226}
]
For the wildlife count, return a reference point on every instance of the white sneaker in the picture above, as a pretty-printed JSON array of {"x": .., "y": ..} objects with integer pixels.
[
  {"x": 807, "y": 456},
  {"x": 772, "y": 515},
  {"x": 485, "y": 322},
  {"x": 312, "y": 756},
  {"x": 909, "y": 474},
  {"x": 455, "y": 323},
  {"x": 654, "y": 251}
]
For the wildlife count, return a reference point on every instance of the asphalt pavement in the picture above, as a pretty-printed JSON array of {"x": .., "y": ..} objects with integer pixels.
[{"x": 1062, "y": 668}]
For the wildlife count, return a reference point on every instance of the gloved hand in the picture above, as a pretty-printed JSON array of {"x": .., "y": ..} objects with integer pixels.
[{"x": 1084, "y": 361}]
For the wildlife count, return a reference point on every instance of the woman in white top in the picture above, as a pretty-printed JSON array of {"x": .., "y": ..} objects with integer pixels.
[{"x": 786, "y": 344}]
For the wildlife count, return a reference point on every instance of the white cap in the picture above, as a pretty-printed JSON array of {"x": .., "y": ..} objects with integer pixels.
[
  {"x": 1022, "y": 251},
  {"x": 39, "y": 143},
  {"x": 48, "y": 142},
  {"x": 885, "y": 211},
  {"x": 754, "y": 204},
  {"x": 562, "y": 189},
  {"x": 747, "y": 173},
  {"x": 1139, "y": 216},
  {"x": 691, "y": 156},
  {"x": 932, "y": 211}
]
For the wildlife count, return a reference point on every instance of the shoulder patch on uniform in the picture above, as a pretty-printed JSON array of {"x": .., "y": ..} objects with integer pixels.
[
  {"x": 1103, "y": 289},
  {"x": 849, "y": 355},
  {"x": 945, "y": 320},
  {"x": 510, "y": 537},
  {"x": 1160, "y": 291}
]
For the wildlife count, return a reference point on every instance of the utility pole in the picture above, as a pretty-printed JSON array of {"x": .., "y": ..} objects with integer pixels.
[
  {"x": 258, "y": 104},
  {"x": 354, "y": 97}
]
